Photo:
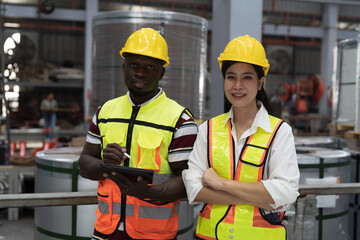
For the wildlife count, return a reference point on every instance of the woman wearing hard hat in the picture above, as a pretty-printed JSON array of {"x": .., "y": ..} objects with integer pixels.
[{"x": 243, "y": 165}]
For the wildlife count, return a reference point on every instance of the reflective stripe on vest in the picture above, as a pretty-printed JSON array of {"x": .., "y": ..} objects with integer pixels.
[
  {"x": 237, "y": 221},
  {"x": 159, "y": 178},
  {"x": 147, "y": 132},
  {"x": 158, "y": 212},
  {"x": 144, "y": 211}
]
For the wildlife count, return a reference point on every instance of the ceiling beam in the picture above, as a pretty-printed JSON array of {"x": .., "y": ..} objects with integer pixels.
[
  {"x": 19, "y": 11},
  {"x": 303, "y": 31},
  {"x": 337, "y": 2}
]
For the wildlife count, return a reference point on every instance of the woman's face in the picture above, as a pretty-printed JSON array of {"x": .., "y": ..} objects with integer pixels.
[{"x": 241, "y": 85}]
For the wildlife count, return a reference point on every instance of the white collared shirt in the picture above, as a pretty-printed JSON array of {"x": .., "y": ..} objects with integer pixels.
[{"x": 281, "y": 172}]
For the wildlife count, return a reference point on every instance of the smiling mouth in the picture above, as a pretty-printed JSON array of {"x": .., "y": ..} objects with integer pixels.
[{"x": 238, "y": 94}]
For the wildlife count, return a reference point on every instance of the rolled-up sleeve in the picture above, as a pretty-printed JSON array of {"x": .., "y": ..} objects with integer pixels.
[
  {"x": 282, "y": 172},
  {"x": 197, "y": 165}
]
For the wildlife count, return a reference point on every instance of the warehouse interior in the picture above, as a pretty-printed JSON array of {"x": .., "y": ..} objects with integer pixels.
[{"x": 71, "y": 48}]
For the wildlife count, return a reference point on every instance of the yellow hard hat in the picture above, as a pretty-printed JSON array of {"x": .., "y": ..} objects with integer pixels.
[
  {"x": 245, "y": 49},
  {"x": 147, "y": 42}
]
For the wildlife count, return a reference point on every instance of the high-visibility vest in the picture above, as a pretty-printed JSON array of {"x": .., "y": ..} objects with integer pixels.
[
  {"x": 147, "y": 132},
  {"x": 238, "y": 221}
]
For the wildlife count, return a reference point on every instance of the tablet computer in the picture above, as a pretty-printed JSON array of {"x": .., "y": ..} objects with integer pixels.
[{"x": 129, "y": 171}]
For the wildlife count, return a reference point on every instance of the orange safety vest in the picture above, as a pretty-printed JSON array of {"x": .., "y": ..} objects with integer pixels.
[
  {"x": 147, "y": 132},
  {"x": 239, "y": 221}
]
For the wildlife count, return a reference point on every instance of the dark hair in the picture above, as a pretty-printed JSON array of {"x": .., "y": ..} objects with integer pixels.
[{"x": 261, "y": 95}]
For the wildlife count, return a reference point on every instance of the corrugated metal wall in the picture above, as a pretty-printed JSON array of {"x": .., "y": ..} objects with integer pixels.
[
  {"x": 303, "y": 61},
  {"x": 58, "y": 46},
  {"x": 306, "y": 60},
  {"x": 292, "y": 6}
]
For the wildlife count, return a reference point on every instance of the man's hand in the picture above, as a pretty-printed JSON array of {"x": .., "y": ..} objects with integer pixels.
[
  {"x": 170, "y": 190},
  {"x": 132, "y": 186},
  {"x": 114, "y": 154}
]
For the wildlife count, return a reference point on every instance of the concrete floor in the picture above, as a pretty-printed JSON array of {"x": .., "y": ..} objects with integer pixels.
[{"x": 21, "y": 229}]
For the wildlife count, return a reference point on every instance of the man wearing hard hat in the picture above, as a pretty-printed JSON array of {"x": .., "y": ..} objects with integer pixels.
[{"x": 142, "y": 129}]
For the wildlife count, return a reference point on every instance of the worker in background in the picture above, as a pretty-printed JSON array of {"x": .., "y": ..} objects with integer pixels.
[
  {"x": 243, "y": 165},
  {"x": 49, "y": 107},
  {"x": 156, "y": 132}
]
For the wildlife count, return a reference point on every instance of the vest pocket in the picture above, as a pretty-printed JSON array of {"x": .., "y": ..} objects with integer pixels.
[
  {"x": 113, "y": 137},
  {"x": 253, "y": 155},
  {"x": 109, "y": 207},
  {"x": 149, "y": 151},
  {"x": 104, "y": 212},
  {"x": 157, "y": 221}
]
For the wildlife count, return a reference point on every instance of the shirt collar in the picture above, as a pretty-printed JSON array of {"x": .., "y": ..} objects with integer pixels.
[
  {"x": 261, "y": 119},
  {"x": 158, "y": 94}
]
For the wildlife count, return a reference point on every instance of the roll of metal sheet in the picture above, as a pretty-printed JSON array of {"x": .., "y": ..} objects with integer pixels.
[
  {"x": 57, "y": 171},
  {"x": 186, "y": 36},
  {"x": 320, "y": 141},
  {"x": 318, "y": 165}
]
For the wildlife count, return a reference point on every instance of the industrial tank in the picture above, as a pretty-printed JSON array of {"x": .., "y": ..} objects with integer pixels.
[
  {"x": 319, "y": 141},
  {"x": 186, "y": 36},
  {"x": 57, "y": 171},
  {"x": 317, "y": 166}
]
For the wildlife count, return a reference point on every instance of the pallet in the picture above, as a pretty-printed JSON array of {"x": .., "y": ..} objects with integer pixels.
[
  {"x": 352, "y": 140},
  {"x": 339, "y": 130},
  {"x": 344, "y": 127},
  {"x": 352, "y": 135}
]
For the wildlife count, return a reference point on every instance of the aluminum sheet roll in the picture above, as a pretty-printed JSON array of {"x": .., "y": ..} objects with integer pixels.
[
  {"x": 186, "y": 36},
  {"x": 57, "y": 171}
]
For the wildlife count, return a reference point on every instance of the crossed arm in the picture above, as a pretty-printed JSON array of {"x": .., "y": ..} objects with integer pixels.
[{"x": 218, "y": 190}]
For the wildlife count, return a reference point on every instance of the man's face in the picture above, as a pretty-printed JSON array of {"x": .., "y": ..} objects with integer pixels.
[{"x": 142, "y": 75}]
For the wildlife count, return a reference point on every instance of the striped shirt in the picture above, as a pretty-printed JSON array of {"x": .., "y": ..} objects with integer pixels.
[{"x": 181, "y": 145}]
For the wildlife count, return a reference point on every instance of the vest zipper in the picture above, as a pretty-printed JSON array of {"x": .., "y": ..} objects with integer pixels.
[
  {"x": 135, "y": 111},
  {"x": 134, "y": 114}
]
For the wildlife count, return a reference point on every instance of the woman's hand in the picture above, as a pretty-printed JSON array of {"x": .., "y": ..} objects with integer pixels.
[{"x": 211, "y": 179}]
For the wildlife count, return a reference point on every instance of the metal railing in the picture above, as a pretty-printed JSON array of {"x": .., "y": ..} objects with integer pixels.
[
  {"x": 47, "y": 199},
  {"x": 84, "y": 198},
  {"x": 307, "y": 196},
  {"x": 329, "y": 189},
  {"x": 90, "y": 197}
]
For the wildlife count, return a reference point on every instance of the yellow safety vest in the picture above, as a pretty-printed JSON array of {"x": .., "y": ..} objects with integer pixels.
[
  {"x": 146, "y": 132},
  {"x": 238, "y": 221}
]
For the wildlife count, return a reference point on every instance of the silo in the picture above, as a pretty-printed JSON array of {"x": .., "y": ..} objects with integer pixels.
[{"x": 186, "y": 36}]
